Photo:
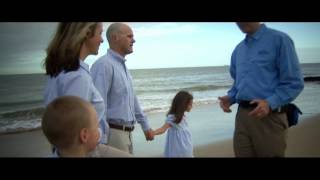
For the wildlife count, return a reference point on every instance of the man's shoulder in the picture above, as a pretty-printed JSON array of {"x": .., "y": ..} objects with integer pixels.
[
  {"x": 80, "y": 73},
  {"x": 277, "y": 33},
  {"x": 103, "y": 61},
  {"x": 239, "y": 45}
]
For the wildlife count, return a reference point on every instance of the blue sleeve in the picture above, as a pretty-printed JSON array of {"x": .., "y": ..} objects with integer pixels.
[
  {"x": 141, "y": 118},
  {"x": 233, "y": 91},
  {"x": 291, "y": 79},
  {"x": 170, "y": 120},
  {"x": 102, "y": 79},
  {"x": 75, "y": 84}
]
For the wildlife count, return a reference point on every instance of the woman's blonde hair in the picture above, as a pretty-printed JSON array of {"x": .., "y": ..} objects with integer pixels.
[{"x": 64, "y": 49}]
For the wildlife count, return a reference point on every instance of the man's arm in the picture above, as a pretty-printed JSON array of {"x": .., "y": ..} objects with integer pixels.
[
  {"x": 142, "y": 120},
  {"x": 291, "y": 79},
  {"x": 102, "y": 78},
  {"x": 233, "y": 91}
]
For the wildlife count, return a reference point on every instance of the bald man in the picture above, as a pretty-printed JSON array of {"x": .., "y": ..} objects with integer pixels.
[{"x": 113, "y": 80}]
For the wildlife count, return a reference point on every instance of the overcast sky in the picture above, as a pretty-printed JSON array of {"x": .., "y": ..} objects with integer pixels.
[{"x": 158, "y": 45}]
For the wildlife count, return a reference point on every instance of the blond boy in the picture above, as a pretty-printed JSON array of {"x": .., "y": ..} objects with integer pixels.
[{"x": 70, "y": 124}]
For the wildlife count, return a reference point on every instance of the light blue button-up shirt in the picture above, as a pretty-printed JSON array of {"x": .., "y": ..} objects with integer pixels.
[
  {"x": 265, "y": 66},
  {"x": 78, "y": 83},
  {"x": 114, "y": 82}
]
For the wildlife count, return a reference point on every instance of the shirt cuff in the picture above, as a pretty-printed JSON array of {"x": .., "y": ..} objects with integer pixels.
[
  {"x": 232, "y": 99},
  {"x": 145, "y": 125},
  {"x": 273, "y": 102}
]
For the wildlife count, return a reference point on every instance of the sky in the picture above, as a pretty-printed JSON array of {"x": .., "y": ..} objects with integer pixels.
[{"x": 158, "y": 45}]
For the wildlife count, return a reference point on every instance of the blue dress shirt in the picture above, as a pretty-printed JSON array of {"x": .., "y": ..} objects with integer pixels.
[
  {"x": 114, "y": 82},
  {"x": 265, "y": 66}
]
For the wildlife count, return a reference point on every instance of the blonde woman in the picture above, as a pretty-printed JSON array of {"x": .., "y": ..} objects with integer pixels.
[{"x": 66, "y": 70}]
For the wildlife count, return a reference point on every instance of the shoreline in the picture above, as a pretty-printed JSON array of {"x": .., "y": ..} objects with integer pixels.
[
  {"x": 211, "y": 137},
  {"x": 149, "y": 112}
]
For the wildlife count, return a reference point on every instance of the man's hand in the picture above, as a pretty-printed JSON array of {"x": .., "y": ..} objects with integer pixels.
[
  {"x": 262, "y": 109},
  {"x": 149, "y": 135},
  {"x": 225, "y": 103}
]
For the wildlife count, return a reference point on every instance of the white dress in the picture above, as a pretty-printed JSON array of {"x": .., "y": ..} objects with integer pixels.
[{"x": 178, "y": 140}]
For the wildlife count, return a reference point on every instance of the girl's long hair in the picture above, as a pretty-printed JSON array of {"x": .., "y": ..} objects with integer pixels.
[
  {"x": 179, "y": 105},
  {"x": 64, "y": 49}
]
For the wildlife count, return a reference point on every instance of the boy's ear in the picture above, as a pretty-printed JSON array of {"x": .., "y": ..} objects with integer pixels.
[{"x": 84, "y": 135}]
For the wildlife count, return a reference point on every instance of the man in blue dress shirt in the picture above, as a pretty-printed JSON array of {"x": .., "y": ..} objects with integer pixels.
[
  {"x": 113, "y": 80},
  {"x": 267, "y": 76}
]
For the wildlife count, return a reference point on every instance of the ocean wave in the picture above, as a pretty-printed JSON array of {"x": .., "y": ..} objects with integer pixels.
[
  {"x": 21, "y": 126},
  {"x": 21, "y": 120},
  {"x": 156, "y": 109},
  {"x": 191, "y": 89},
  {"x": 37, "y": 101},
  {"x": 165, "y": 108},
  {"x": 205, "y": 87},
  {"x": 26, "y": 114},
  {"x": 30, "y": 119}
]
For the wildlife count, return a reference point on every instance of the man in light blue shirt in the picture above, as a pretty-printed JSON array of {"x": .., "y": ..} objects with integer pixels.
[
  {"x": 267, "y": 76},
  {"x": 114, "y": 82}
]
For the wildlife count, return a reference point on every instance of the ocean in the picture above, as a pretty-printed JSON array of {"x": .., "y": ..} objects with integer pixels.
[{"x": 21, "y": 101}]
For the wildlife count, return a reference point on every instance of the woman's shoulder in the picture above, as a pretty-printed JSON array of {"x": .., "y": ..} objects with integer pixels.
[{"x": 77, "y": 75}]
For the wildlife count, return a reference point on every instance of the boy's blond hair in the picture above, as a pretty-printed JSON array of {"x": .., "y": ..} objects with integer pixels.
[{"x": 63, "y": 120}]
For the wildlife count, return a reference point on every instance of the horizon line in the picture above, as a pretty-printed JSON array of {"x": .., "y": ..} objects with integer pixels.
[{"x": 4, "y": 74}]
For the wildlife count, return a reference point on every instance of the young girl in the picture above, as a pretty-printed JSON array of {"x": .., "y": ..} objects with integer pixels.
[{"x": 178, "y": 141}]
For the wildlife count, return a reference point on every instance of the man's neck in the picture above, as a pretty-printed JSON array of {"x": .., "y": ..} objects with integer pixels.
[
  {"x": 117, "y": 50},
  {"x": 256, "y": 28}
]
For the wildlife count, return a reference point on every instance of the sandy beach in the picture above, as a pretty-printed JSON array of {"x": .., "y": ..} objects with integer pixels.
[
  {"x": 25, "y": 144},
  {"x": 303, "y": 140}
]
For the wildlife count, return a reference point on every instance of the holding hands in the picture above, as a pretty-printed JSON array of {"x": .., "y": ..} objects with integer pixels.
[{"x": 149, "y": 135}]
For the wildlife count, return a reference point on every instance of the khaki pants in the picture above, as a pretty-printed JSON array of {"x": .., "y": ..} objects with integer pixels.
[
  {"x": 260, "y": 137},
  {"x": 108, "y": 151},
  {"x": 121, "y": 140}
]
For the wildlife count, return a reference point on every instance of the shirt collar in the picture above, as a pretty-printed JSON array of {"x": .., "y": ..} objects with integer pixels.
[
  {"x": 116, "y": 55},
  {"x": 84, "y": 66}
]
